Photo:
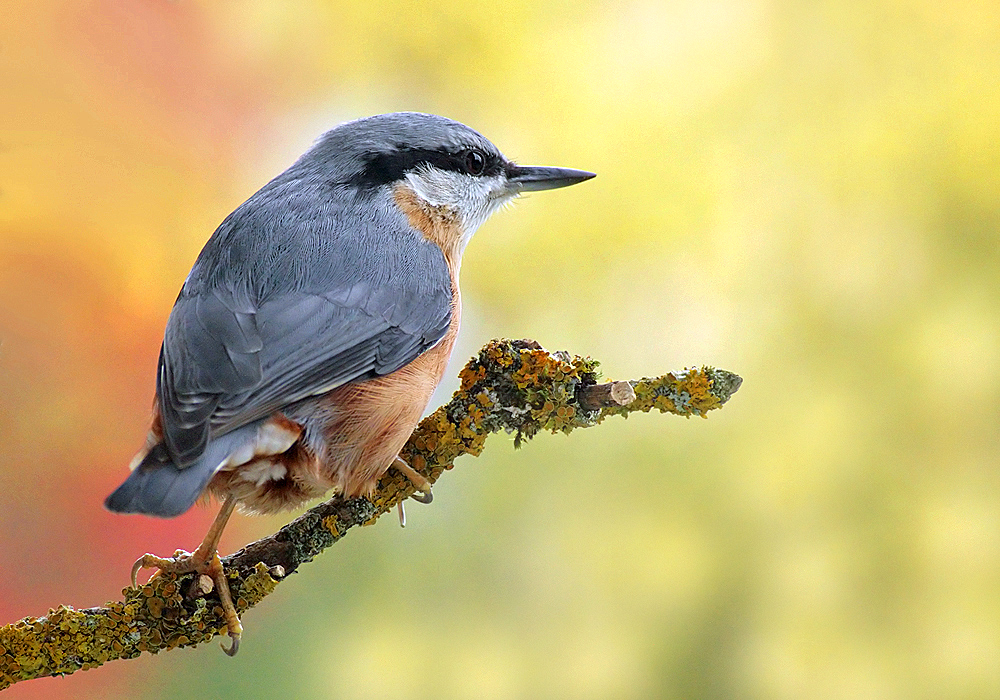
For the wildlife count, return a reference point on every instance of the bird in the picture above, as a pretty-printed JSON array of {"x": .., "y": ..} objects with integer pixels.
[{"x": 316, "y": 322}]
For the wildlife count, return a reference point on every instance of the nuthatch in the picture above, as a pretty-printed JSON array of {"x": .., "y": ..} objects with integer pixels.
[{"x": 315, "y": 324}]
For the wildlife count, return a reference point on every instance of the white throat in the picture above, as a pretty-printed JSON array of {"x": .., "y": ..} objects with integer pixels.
[{"x": 473, "y": 199}]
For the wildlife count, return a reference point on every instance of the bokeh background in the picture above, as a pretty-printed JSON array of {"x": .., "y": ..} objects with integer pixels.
[{"x": 805, "y": 193}]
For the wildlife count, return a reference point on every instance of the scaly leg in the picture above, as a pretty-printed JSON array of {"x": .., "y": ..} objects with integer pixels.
[
  {"x": 204, "y": 560},
  {"x": 218, "y": 575}
]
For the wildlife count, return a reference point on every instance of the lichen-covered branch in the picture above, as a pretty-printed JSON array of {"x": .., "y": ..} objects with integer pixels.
[{"x": 512, "y": 386}]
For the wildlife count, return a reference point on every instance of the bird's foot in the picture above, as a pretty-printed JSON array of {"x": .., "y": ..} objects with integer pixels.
[
  {"x": 185, "y": 562},
  {"x": 181, "y": 563},
  {"x": 419, "y": 481}
]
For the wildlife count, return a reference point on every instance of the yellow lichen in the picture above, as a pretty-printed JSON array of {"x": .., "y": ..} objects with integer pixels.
[
  {"x": 330, "y": 523},
  {"x": 470, "y": 377}
]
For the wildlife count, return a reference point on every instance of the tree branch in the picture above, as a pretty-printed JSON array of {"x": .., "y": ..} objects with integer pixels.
[{"x": 514, "y": 386}]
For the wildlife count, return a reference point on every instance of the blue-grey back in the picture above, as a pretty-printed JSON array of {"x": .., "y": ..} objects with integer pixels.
[{"x": 308, "y": 285}]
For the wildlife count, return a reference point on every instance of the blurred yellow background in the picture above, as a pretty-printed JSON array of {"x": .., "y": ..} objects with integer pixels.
[{"x": 805, "y": 193}]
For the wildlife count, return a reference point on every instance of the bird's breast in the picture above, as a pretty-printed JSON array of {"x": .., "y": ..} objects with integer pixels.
[{"x": 441, "y": 225}]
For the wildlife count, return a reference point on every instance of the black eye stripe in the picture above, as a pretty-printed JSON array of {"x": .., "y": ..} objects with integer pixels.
[{"x": 392, "y": 166}]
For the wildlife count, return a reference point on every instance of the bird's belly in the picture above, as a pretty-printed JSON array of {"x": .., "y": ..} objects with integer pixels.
[
  {"x": 350, "y": 436},
  {"x": 372, "y": 420}
]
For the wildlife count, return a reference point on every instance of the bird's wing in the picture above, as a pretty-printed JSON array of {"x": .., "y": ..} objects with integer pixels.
[
  {"x": 222, "y": 367},
  {"x": 290, "y": 300}
]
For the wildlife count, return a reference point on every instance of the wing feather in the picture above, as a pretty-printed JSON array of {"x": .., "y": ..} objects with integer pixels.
[{"x": 291, "y": 298}]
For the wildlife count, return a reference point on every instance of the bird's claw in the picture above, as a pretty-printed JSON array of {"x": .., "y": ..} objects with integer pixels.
[
  {"x": 136, "y": 568},
  {"x": 234, "y": 645},
  {"x": 423, "y": 495}
]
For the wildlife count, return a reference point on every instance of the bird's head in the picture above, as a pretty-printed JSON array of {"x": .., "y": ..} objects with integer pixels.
[{"x": 437, "y": 163}]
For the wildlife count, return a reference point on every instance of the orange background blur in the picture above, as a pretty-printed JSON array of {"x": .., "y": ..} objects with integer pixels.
[{"x": 805, "y": 193}]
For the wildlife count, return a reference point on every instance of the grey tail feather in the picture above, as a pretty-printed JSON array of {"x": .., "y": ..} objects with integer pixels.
[{"x": 161, "y": 488}]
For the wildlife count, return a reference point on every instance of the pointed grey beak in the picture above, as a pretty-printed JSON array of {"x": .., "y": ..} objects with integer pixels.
[{"x": 531, "y": 178}]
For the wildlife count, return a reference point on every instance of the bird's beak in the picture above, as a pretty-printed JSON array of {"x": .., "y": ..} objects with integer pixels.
[{"x": 531, "y": 178}]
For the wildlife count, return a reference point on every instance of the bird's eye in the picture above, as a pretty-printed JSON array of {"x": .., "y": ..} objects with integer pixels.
[{"x": 475, "y": 162}]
